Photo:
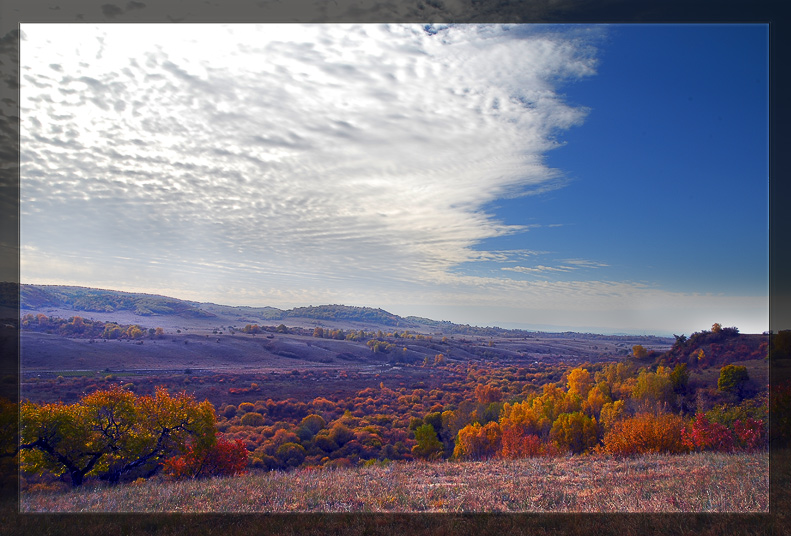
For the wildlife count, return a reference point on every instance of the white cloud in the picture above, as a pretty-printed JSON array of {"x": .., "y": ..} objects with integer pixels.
[
  {"x": 584, "y": 263},
  {"x": 538, "y": 269},
  {"x": 576, "y": 264},
  {"x": 326, "y": 150}
]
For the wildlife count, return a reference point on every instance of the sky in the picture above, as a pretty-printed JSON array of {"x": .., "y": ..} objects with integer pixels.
[{"x": 604, "y": 178}]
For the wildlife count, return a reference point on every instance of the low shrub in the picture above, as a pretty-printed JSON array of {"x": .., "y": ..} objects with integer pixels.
[{"x": 645, "y": 433}]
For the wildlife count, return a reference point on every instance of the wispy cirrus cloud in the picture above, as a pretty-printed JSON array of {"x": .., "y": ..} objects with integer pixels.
[
  {"x": 341, "y": 153},
  {"x": 538, "y": 269},
  {"x": 585, "y": 263},
  {"x": 568, "y": 265}
]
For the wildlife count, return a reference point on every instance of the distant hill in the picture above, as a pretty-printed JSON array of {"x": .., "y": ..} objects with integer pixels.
[
  {"x": 34, "y": 297},
  {"x": 714, "y": 348},
  {"x": 106, "y": 301},
  {"x": 84, "y": 299},
  {"x": 349, "y": 313}
]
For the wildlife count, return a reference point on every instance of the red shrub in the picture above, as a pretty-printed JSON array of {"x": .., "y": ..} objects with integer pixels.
[
  {"x": 706, "y": 435},
  {"x": 224, "y": 458},
  {"x": 750, "y": 433},
  {"x": 517, "y": 445},
  {"x": 486, "y": 394}
]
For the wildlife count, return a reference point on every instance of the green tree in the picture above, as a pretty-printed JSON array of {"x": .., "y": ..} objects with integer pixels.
[
  {"x": 680, "y": 341},
  {"x": 733, "y": 379},
  {"x": 780, "y": 341},
  {"x": 434, "y": 419},
  {"x": 654, "y": 389},
  {"x": 428, "y": 445},
  {"x": 313, "y": 423},
  {"x": 680, "y": 378},
  {"x": 341, "y": 434},
  {"x": 291, "y": 454},
  {"x": 252, "y": 419}
]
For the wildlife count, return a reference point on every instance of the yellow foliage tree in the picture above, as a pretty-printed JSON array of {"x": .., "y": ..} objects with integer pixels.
[
  {"x": 554, "y": 401},
  {"x": 575, "y": 432},
  {"x": 134, "y": 332},
  {"x": 113, "y": 433},
  {"x": 597, "y": 398},
  {"x": 654, "y": 390},
  {"x": 610, "y": 413},
  {"x": 579, "y": 382},
  {"x": 617, "y": 377},
  {"x": 476, "y": 442}
]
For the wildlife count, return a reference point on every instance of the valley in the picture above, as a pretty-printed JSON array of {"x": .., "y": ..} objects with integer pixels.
[{"x": 275, "y": 348}]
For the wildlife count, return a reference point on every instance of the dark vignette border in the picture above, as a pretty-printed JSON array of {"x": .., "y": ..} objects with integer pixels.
[{"x": 362, "y": 11}]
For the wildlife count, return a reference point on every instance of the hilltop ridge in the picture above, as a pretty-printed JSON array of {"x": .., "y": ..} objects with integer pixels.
[{"x": 63, "y": 298}]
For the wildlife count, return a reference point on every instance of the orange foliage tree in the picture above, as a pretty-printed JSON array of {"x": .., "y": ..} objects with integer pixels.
[
  {"x": 521, "y": 430},
  {"x": 645, "y": 433}
]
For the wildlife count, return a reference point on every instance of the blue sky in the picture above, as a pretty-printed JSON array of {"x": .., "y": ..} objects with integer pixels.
[
  {"x": 604, "y": 178},
  {"x": 667, "y": 178}
]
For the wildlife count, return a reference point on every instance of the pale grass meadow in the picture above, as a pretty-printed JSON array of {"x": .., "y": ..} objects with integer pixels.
[{"x": 698, "y": 482}]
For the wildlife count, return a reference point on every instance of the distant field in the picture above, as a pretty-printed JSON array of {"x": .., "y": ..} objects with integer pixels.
[
  {"x": 79, "y": 373},
  {"x": 704, "y": 482},
  {"x": 210, "y": 337}
]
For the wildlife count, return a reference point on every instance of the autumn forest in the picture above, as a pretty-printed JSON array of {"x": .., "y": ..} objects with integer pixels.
[{"x": 395, "y": 396}]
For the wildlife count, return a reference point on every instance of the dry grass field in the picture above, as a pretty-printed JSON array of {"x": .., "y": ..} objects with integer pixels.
[{"x": 704, "y": 482}]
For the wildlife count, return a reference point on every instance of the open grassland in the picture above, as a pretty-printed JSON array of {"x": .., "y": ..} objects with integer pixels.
[{"x": 704, "y": 482}]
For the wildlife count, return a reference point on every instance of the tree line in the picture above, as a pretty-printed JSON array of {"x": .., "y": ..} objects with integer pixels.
[
  {"x": 114, "y": 435},
  {"x": 83, "y": 328},
  {"x": 619, "y": 409}
]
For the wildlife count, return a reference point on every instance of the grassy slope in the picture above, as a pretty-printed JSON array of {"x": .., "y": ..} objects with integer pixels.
[{"x": 705, "y": 482}]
